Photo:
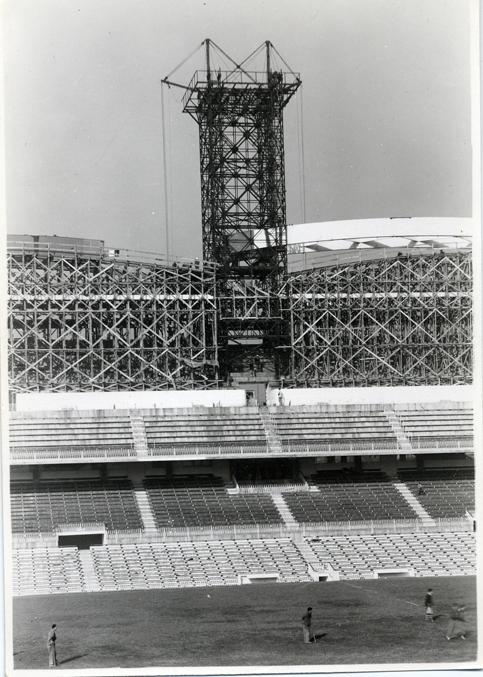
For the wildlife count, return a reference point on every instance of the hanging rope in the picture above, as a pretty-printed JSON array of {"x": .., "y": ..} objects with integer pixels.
[
  {"x": 301, "y": 153},
  {"x": 165, "y": 172}
]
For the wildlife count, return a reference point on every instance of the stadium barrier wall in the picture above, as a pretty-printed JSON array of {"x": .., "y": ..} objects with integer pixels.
[
  {"x": 318, "y": 449},
  {"x": 142, "y": 399},
  {"x": 236, "y": 532}
]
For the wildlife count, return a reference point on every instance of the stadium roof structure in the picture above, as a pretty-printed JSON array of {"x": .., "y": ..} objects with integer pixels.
[{"x": 323, "y": 244}]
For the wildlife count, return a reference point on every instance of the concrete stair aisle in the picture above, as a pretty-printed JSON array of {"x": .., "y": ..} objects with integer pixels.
[
  {"x": 282, "y": 507},
  {"x": 144, "y": 506},
  {"x": 138, "y": 432},
  {"x": 414, "y": 503},
  {"x": 402, "y": 439},
  {"x": 89, "y": 575},
  {"x": 273, "y": 438}
]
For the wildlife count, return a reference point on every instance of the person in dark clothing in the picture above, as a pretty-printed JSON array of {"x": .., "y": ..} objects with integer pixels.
[
  {"x": 51, "y": 639},
  {"x": 307, "y": 626},
  {"x": 457, "y": 623},
  {"x": 428, "y": 603}
]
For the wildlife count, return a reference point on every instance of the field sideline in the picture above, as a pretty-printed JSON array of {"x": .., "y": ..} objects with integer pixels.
[{"x": 358, "y": 622}]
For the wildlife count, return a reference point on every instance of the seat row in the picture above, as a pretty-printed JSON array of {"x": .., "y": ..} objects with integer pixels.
[
  {"x": 190, "y": 564},
  {"x": 40, "y": 507},
  {"x": 426, "y": 554}
]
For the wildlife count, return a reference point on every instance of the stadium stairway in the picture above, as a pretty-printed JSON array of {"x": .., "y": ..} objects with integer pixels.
[
  {"x": 91, "y": 581},
  {"x": 284, "y": 510},
  {"x": 142, "y": 500},
  {"x": 414, "y": 503},
  {"x": 274, "y": 441},
  {"x": 138, "y": 432},
  {"x": 396, "y": 425}
]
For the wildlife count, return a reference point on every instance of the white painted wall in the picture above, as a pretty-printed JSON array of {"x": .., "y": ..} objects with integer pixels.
[
  {"x": 146, "y": 399},
  {"x": 393, "y": 395}
]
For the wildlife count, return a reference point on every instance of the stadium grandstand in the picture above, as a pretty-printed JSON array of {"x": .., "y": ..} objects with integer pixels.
[{"x": 291, "y": 408}]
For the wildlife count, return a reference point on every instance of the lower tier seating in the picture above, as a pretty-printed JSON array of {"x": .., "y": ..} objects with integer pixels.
[
  {"x": 163, "y": 565},
  {"x": 42, "y": 506},
  {"x": 438, "y": 554},
  {"x": 349, "y": 496},
  {"x": 198, "y": 500},
  {"x": 443, "y": 492},
  {"x": 205, "y": 563},
  {"x": 46, "y": 570}
]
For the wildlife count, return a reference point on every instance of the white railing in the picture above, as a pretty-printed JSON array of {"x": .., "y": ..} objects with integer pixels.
[
  {"x": 81, "y": 527},
  {"x": 208, "y": 450},
  {"x": 460, "y": 443},
  {"x": 247, "y": 531},
  {"x": 59, "y": 454},
  {"x": 272, "y": 488}
]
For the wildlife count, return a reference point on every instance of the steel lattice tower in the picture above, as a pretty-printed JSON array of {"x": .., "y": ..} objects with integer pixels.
[{"x": 240, "y": 119}]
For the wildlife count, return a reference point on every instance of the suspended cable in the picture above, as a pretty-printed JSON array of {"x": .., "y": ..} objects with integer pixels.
[
  {"x": 302, "y": 154},
  {"x": 283, "y": 60},
  {"x": 237, "y": 66},
  {"x": 184, "y": 60},
  {"x": 170, "y": 203},
  {"x": 258, "y": 49},
  {"x": 165, "y": 177}
]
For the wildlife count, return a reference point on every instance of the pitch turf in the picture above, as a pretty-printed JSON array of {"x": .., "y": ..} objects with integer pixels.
[{"x": 356, "y": 622}]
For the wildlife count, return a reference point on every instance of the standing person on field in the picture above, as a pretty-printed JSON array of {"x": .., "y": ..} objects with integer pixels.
[
  {"x": 307, "y": 626},
  {"x": 51, "y": 646},
  {"x": 457, "y": 623},
  {"x": 428, "y": 603}
]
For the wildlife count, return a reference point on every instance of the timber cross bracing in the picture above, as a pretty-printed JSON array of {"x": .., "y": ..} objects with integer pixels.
[
  {"x": 400, "y": 321},
  {"x": 86, "y": 323},
  {"x": 93, "y": 323}
]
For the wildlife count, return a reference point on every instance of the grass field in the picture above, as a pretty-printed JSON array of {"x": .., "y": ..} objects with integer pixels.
[{"x": 357, "y": 622}]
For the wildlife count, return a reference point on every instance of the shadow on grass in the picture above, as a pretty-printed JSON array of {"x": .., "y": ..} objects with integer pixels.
[
  {"x": 72, "y": 658},
  {"x": 322, "y": 634}
]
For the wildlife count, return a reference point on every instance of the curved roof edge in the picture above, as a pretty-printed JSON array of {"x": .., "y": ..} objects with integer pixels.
[{"x": 409, "y": 227}]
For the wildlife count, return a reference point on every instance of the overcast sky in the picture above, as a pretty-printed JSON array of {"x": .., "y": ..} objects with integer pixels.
[{"x": 385, "y": 104}]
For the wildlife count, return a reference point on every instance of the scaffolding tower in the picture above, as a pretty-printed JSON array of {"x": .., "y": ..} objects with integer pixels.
[
  {"x": 239, "y": 113},
  {"x": 240, "y": 119}
]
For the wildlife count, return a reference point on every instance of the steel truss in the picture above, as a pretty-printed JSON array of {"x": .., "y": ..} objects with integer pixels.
[
  {"x": 240, "y": 118},
  {"x": 89, "y": 322},
  {"x": 251, "y": 324},
  {"x": 400, "y": 321}
]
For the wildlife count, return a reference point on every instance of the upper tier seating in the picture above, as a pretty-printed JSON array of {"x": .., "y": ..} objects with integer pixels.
[
  {"x": 163, "y": 565},
  {"x": 202, "y": 500},
  {"x": 45, "y": 571},
  {"x": 428, "y": 554},
  {"x": 42, "y": 506},
  {"x": 448, "y": 492},
  {"x": 80, "y": 431},
  {"x": 295, "y": 425},
  {"x": 347, "y": 496},
  {"x": 436, "y": 423},
  {"x": 239, "y": 427}
]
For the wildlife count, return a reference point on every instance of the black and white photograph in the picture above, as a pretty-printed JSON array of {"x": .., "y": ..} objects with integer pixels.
[{"x": 241, "y": 336}]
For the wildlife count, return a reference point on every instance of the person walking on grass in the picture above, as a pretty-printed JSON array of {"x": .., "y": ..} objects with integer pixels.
[
  {"x": 428, "y": 603},
  {"x": 307, "y": 626},
  {"x": 51, "y": 639},
  {"x": 457, "y": 623}
]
